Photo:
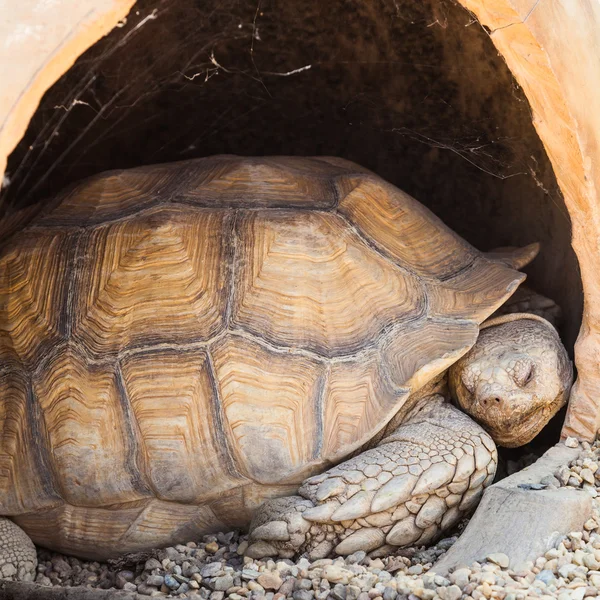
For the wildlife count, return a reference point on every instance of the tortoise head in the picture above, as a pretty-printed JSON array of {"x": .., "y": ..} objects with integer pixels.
[{"x": 515, "y": 379}]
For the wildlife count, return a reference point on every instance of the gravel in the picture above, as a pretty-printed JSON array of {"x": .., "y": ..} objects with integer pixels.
[{"x": 214, "y": 568}]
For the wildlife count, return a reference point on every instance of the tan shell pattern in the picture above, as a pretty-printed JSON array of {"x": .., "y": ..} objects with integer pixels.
[{"x": 180, "y": 342}]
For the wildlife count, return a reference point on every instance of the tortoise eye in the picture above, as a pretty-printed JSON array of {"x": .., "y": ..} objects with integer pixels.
[{"x": 524, "y": 372}]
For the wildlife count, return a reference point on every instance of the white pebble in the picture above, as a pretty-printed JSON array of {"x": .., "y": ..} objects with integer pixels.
[{"x": 498, "y": 558}]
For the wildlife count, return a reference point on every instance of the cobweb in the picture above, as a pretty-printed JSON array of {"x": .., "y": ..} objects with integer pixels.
[{"x": 414, "y": 91}]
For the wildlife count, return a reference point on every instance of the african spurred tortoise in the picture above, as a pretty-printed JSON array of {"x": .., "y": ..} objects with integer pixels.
[{"x": 181, "y": 343}]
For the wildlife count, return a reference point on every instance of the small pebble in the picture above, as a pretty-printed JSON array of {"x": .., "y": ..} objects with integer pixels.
[
  {"x": 546, "y": 576},
  {"x": 453, "y": 592},
  {"x": 152, "y": 564},
  {"x": 270, "y": 581},
  {"x": 146, "y": 590},
  {"x": 212, "y": 547},
  {"x": 499, "y": 559},
  {"x": 389, "y": 594},
  {"x": 155, "y": 580},
  {"x": 223, "y": 583}
]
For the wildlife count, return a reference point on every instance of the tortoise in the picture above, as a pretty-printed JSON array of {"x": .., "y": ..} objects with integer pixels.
[{"x": 185, "y": 348}]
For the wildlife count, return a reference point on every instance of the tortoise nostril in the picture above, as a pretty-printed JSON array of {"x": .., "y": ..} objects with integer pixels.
[{"x": 491, "y": 400}]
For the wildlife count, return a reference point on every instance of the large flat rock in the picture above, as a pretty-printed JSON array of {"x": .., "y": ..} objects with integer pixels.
[{"x": 520, "y": 522}]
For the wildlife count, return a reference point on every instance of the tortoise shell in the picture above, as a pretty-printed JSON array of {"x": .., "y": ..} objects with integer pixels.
[{"x": 180, "y": 342}]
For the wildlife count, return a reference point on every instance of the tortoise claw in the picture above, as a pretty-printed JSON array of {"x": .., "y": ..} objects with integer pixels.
[{"x": 278, "y": 528}]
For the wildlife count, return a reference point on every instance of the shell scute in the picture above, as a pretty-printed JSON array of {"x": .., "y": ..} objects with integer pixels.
[
  {"x": 359, "y": 394},
  {"x": 88, "y": 431},
  {"x": 34, "y": 282},
  {"x": 26, "y": 478},
  {"x": 105, "y": 197},
  {"x": 266, "y": 182},
  {"x": 307, "y": 281},
  {"x": 158, "y": 278},
  {"x": 270, "y": 404},
  {"x": 403, "y": 228},
  {"x": 176, "y": 411}
]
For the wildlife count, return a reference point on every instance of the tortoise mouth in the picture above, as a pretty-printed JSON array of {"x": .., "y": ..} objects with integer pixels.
[
  {"x": 512, "y": 434},
  {"x": 521, "y": 433}
]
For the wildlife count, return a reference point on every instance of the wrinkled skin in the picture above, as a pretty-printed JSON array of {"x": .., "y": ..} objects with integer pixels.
[
  {"x": 514, "y": 380},
  {"x": 432, "y": 470}
]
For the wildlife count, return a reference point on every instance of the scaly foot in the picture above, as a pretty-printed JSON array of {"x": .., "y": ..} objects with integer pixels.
[
  {"x": 415, "y": 484},
  {"x": 18, "y": 559}
]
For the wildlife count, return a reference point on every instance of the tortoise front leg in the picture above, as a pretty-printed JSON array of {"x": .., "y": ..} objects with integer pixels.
[
  {"x": 417, "y": 483},
  {"x": 18, "y": 559}
]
